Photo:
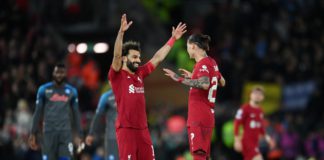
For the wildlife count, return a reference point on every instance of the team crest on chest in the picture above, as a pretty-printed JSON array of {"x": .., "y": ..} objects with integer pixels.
[
  {"x": 204, "y": 69},
  {"x": 133, "y": 89},
  {"x": 67, "y": 91}
]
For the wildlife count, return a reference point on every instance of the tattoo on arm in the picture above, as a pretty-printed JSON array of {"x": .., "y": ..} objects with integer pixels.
[{"x": 201, "y": 83}]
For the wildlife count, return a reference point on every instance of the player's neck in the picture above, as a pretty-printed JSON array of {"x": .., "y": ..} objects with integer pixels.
[
  {"x": 200, "y": 56},
  {"x": 58, "y": 85},
  {"x": 254, "y": 104}
]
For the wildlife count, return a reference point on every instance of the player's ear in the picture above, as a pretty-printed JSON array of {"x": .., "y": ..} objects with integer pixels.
[
  {"x": 193, "y": 46},
  {"x": 124, "y": 58}
]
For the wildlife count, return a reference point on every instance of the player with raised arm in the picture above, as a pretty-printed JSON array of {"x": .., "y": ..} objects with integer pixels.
[
  {"x": 126, "y": 77},
  {"x": 250, "y": 116},
  {"x": 57, "y": 104},
  {"x": 203, "y": 81},
  {"x": 106, "y": 105}
]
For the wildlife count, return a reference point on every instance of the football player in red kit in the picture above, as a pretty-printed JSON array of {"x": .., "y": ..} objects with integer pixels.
[
  {"x": 127, "y": 81},
  {"x": 203, "y": 81},
  {"x": 250, "y": 116}
]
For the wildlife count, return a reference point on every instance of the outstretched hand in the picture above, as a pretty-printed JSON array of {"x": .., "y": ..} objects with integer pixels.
[
  {"x": 171, "y": 74},
  {"x": 179, "y": 31},
  {"x": 124, "y": 25},
  {"x": 185, "y": 73}
]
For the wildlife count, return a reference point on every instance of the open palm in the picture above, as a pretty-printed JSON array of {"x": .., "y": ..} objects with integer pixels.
[
  {"x": 124, "y": 25},
  {"x": 171, "y": 74},
  {"x": 185, "y": 73},
  {"x": 179, "y": 31}
]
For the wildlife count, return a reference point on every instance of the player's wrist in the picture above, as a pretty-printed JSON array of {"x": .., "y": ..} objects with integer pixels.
[
  {"x": 171, "y": 41},
  {"x": 180, "y": 79},
  {"x": 121, "y": 31}
]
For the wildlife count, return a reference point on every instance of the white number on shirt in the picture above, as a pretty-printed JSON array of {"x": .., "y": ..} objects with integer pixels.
[{"x": 213, "y": 89}]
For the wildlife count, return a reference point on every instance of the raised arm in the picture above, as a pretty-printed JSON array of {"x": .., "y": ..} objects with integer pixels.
[
  {"x": 117, "y": 59},
  {"x": 160, "y": 55},
  {"x": 201, "y": 83}
]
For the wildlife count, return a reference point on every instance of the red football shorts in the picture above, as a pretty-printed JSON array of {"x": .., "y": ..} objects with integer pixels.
[
  {"x": 249, "y": 151},
  {"x": 134, "y": 144},
  {"x": 199, "y": 141}
]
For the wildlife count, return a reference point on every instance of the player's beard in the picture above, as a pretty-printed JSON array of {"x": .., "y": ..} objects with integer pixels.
[
  {"x": 59, "y": 81},
  {"x": 131, "y": 66}
]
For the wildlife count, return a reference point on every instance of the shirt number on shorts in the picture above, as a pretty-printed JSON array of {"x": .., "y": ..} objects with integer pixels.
[{"x": 213, "y": 89}]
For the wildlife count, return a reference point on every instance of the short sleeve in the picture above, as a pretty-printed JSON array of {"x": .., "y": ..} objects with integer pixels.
[
  {"x": 40, "y": 95},
  {"x": 239, "y": 114},
  {"x": 112, "y": 74},
  {"x": 239, "y": 118},
  {"x": 145, "y": 70}
]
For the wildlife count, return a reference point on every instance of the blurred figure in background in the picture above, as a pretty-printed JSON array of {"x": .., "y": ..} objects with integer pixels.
[
  {"x": 251, "y": 117},
  {"x": 106, "y": 105},
  {"x": 57, "y": 104}
]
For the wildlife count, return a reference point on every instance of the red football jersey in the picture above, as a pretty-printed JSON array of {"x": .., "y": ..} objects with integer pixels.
[
  {"x": 129, "y": 94},
  {"x": 252, "y": 120},
  {"x": 202, "y": 102}
]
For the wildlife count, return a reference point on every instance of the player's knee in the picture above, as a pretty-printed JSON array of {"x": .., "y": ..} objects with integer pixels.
[{"x": 64, "y": 158}]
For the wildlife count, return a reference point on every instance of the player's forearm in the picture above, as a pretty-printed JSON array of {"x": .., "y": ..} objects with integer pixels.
[
  {"x": 77, "y": 120},
  {"x": 267, "y": 138},
  {"x": 94, "y": 124},
  {"x": 222, "y": 82},
  {"x": 160, "y": 55},
  {"x": 201, "y": 83},
  {"x": 36, "y": 120},
  {"x": 237, "y": 124},
  {"x": 237, "y": 138},
  {"x": 117, "y": 59}
]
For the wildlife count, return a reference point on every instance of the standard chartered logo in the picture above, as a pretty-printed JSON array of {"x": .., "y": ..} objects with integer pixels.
[
  {"x": 255, "y": 124},
  {"x": 131, "y": 88}
]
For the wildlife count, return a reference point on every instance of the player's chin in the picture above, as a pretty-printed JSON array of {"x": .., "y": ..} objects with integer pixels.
[{"x": 59, "y": 81}]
